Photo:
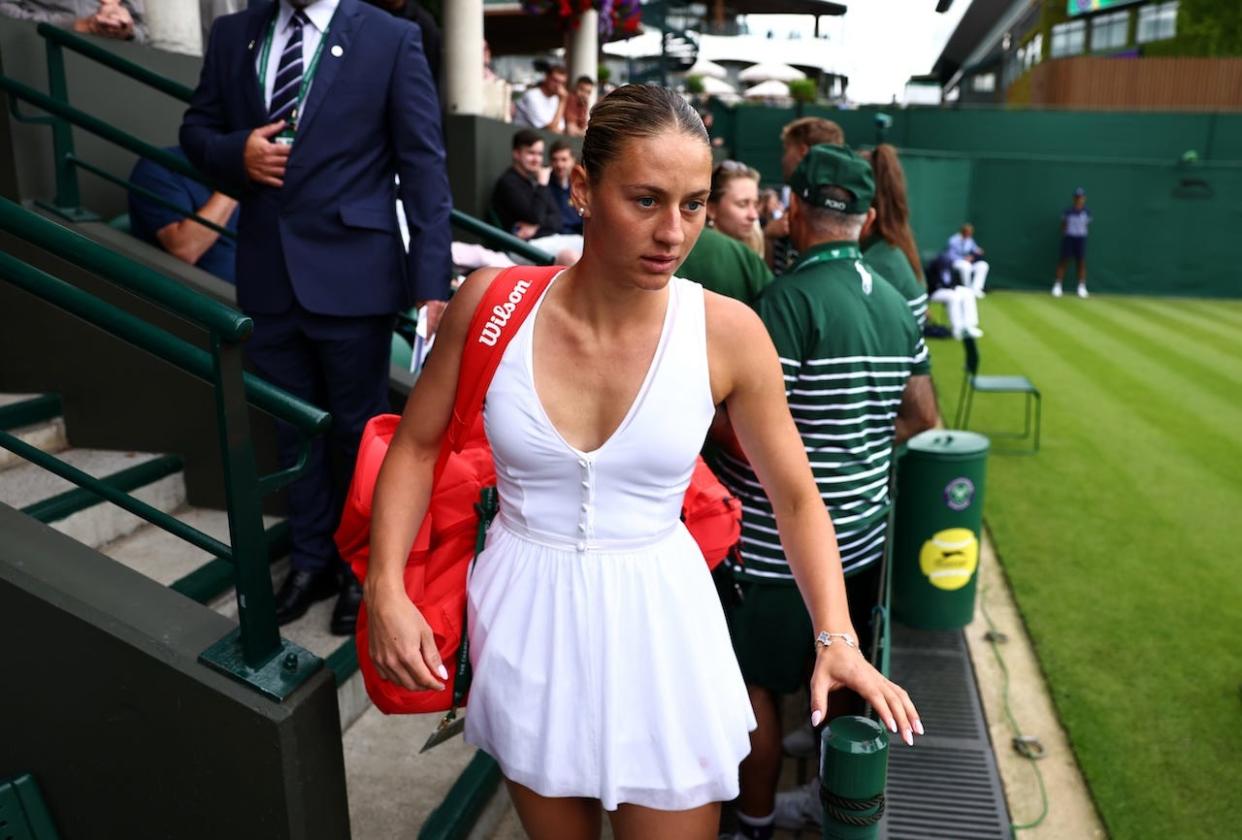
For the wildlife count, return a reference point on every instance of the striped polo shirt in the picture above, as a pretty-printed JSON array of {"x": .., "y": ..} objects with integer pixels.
[
  {"x": 847, "y": 343},
  {"x": 890, "y": 262}
]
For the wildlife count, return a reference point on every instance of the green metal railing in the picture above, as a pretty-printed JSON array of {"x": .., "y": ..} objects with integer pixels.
[{"x": 255, "y": 652}]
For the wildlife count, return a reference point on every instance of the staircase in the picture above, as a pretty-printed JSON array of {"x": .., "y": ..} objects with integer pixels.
[{"x": 392, "y": 788}]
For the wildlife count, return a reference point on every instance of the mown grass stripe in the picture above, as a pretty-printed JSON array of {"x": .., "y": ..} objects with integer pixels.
[
  {"x": 1222, "y": 311},
  {"x": 1120, "y": 549},
  {"x": 1221, "y": 356},
  {"x": 1224, "y": 339},
  {"x": 1177, "y": 368},
  {"x": 1151, "y": 397}
]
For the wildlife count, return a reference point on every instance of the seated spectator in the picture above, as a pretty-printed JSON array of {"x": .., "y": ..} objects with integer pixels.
[
  {"x": 958, "y": 299},
  {"x": 544, "y": 106},
  {"x": 558, "y": 184},
  {"x": 120, "y": 19},
  {"x": 579, "y": 106},
  {"x": 521, "y": 200},
  {"x": 733, "y": 206},
  {"x": 967, "y": 259},
  {"x": 184, "y": 238}
]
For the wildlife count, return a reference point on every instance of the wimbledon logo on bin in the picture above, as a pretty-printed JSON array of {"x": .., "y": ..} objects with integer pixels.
[
  {"x": 949, "y": 558},
  {"x": 959, "y": 493}
]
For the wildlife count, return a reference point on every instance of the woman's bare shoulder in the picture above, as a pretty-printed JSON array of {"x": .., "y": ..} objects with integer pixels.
[{"x": 730, "y": 320}]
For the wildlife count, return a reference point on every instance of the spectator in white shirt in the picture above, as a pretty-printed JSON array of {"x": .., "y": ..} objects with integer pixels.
[
  {"x": 968, "y": 260},
  {"x": 544, "y": 106}
]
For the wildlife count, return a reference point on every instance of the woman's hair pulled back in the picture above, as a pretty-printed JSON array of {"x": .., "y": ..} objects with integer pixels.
[
  {"x": 727, "y": 171},
  {"x": 633, "y": 111},
  {"x": 892, "y": 204}
]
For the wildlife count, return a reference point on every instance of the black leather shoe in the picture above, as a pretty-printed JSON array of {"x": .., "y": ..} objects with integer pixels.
[
  {"x": 301, "y": 589},
  {"x": 345, "y": 615}
]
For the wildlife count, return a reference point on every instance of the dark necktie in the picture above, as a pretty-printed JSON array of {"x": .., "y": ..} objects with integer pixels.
[{"x": 289, "y": 74}]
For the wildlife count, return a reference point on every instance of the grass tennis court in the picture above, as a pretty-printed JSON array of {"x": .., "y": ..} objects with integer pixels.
[{"x": 1120, "y": 539}]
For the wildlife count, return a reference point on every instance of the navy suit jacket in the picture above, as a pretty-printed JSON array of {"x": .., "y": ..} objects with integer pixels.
[{"x": 329, "y": 237}]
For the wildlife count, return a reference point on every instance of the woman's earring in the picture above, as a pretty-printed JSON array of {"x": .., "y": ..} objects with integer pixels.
[{"x": 580, "y": 211}]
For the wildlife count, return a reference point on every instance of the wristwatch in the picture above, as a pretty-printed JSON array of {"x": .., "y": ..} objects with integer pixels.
[{"x": 826, "y": 639}]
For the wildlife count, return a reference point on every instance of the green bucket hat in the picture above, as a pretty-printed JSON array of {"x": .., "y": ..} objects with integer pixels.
[{"x": 825, "y": 166}]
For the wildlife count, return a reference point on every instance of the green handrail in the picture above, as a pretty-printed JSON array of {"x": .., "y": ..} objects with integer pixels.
[
  {"x": 93, "y": 51},
  {"x": 142, "y": 281},
  {"x": 500, "y": 239},
  {"x": 271, "y": 399},
  {"x": 100, "y": 128}
]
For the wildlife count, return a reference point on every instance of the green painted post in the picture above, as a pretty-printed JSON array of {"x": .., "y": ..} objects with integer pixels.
[
  {"x": 256, "y": 605},
  {"x": 940, "y": 483},
  {"x": 853, "y": 770},
  {"x": 68, "y": 198}
]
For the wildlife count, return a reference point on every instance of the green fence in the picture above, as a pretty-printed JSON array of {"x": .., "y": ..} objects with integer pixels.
[
  {"x": 1161, "y": 225},
  {"x": 1159, "y": 228}
]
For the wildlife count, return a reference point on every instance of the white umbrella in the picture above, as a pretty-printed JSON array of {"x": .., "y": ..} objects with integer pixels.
[
  {"x": 708, "y": 70},
  {"x": 716, "y": 87},
  {"x": 771, "y": 89},
  {"x": 765, "y": 71}
]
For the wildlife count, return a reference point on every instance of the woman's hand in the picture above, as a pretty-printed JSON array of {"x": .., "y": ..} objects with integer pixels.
[
  {"x": 840, "y": 666},
  {"x": 402, "y": 646}
]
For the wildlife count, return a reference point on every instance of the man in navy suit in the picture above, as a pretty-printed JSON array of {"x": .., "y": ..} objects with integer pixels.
[{"x": 307, "y": 111}]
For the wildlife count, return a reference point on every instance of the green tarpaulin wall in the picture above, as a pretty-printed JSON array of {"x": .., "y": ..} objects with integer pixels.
[{"x": 1161, "y": 225}]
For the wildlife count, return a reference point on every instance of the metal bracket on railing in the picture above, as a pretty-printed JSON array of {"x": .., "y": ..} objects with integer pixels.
[{"x": 280, "y": 676}]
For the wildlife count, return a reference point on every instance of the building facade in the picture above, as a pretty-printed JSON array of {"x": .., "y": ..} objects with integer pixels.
[{"x": 1096, "y": 55}]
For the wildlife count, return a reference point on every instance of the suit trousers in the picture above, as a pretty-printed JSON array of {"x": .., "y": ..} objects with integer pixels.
[{"x": 339, "y": 364}]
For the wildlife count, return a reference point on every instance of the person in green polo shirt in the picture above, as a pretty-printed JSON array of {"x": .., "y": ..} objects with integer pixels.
[
  {"x": 888, "y": 241},
  {"x": 725, "y": 266},
  {"x": 856, "y": 380}
]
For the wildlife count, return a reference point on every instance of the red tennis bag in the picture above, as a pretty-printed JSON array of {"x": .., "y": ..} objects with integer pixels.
[{"x": 435, "y": 571}]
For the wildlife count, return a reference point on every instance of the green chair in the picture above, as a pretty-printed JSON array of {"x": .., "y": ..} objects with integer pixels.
[
  {"x": 973, "y": 382},
  {"x": 23, "y": 816}
]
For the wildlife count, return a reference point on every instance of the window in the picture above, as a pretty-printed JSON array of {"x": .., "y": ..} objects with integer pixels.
[
  {"x": 1157, "y": 22},
  {"x": 1110, "y": 32},
  {"x": 1035, "y": 50},
  {"x": 983, "y": 83},
  {"x": 1069, "y": 38}
]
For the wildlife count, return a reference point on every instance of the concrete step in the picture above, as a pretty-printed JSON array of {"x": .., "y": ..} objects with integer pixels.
[
  {"x": 48, "y": 436},
  {"x": 166, "y": 558},
  {"x": 35, "y": 420},
  {"x": 393, "y": 788},
  {"x": 30, "y": 487}
]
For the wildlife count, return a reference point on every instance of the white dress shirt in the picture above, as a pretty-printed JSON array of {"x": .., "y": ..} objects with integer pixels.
[{"x": 320, "y": 13}]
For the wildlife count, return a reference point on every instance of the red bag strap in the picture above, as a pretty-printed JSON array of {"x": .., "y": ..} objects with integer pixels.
[{"x": 501, "y": 311}]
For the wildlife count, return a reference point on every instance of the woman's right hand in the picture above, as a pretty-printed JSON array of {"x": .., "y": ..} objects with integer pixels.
[{"x": 402, "y": 645}]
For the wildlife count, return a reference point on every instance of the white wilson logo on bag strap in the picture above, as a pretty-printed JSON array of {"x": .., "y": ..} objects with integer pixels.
[{"x": 501, "y": 313}]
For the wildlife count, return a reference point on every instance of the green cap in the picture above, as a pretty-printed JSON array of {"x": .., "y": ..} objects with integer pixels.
[{"x": 825, "y": 166}]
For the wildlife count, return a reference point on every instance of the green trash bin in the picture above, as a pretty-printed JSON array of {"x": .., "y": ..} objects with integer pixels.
[{"x": 940, "y": 482}]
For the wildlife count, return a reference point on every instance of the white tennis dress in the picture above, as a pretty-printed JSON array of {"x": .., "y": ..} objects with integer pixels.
[{"x": 602, "y": 663}]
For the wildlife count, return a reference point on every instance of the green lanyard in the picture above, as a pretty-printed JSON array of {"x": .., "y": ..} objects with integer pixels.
[
  {"x": 839, "y": 252},
  {"x": 306, "y": 76}
]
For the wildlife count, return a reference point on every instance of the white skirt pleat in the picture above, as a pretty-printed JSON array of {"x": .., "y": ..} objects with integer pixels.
[{"x": 605, "y": 674}]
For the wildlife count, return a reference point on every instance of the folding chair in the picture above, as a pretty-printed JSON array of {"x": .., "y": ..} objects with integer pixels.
[{"x": 973, "y": 382}]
